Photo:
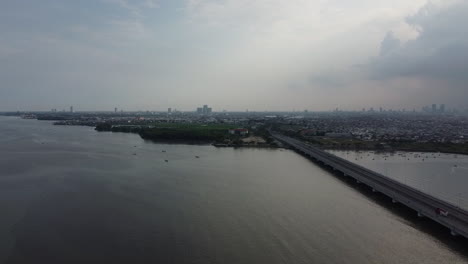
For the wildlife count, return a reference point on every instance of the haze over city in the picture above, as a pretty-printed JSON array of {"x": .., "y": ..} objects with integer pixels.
[{"x": 232, "y": 54}]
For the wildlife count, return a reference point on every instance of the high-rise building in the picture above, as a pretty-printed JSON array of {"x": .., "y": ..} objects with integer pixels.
[
  {"x": 442, "y": 108},
  {"x": 115, "y": 110},
  {"x": 205, "y": 110},
  {"x": 169, "y": 110},
  {"x": 71, "y": 109},
  {"x": 434, "y": 108}
]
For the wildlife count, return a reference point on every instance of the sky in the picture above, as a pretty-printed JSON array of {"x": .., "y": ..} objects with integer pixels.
[{"x": 233, "y": 54}]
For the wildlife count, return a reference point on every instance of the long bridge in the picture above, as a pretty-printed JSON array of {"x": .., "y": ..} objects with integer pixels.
[{"x": 425, "y": 205}]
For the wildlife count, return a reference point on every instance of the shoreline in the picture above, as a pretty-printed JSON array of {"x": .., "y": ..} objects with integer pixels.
[{"x": 407, "y": 150}]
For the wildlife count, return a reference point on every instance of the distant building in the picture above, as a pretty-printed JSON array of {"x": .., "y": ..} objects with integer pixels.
[
  {"x": 442, "y": 108},
  {"x": 308, "y": 132},
  {"x": 71, "y": 109},
  {"x": 205, "y": 110},
  {"x": 115, "y": 110},
  {"x": 434, "y": 108},
  {"x": 338, "y": 135},
  {"x": 169, "y": 110},
  {"x": 239, "y": 131}
]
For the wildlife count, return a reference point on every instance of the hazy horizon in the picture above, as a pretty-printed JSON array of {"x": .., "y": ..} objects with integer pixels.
[{"x": 232, "y": 54}]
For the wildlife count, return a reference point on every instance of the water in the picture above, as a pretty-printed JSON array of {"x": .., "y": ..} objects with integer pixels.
[
  {"x": 442, "y": 175},
  {"x": 72, "y": 195}
]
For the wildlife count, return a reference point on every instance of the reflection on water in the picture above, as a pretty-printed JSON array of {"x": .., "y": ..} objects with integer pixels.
[
  {"x": 72, "y": 195},
  {"x": 441, "y": 175}
]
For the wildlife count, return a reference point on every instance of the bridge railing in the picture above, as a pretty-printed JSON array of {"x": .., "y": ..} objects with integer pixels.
[{"x": 435, "y": 202}]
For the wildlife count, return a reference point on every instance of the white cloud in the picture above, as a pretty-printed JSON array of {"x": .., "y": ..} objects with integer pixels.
[
  {"x": 242, "y": 53},
  {"x": 135, "y": 7}
]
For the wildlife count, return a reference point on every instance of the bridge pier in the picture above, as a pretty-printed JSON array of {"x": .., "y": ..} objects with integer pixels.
[{"x": 419, "y": 201}]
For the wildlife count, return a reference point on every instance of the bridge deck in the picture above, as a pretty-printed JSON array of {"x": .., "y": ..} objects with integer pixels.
[{"x": 424, "y": 204}]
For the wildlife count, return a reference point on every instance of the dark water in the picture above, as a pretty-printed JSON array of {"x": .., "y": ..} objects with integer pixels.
[{"x": 72, "y": 195}]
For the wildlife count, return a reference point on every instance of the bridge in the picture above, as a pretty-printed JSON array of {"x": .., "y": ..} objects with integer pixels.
[{"x": 425, "y": 205}]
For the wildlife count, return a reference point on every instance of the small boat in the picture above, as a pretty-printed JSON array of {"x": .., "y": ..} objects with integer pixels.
[
  {"x": 166, "y": 160},
  {"x": 163, "y": 151},
  {"x": 197, "y": 157}
]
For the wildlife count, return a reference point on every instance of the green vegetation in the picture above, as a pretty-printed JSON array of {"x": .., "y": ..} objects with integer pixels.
[
  {"x": 193, "y": 133},
  {"x": 174, "y": 131},
  {"x": 265, "y": 134},
  {"x": 186, "y": 132}
]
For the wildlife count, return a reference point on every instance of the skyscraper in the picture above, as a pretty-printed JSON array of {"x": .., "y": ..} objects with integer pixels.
[
  {"x": 205, "y": 110},
  {"x": 442, "y": 108},
  {"x": 71, "y": 109},
  {"x": 434, "y": 108}
]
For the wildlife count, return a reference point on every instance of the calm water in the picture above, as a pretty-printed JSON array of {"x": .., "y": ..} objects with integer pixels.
[
  {"x": 72, "y": 195},
  {"x": 442, "y": 175}
]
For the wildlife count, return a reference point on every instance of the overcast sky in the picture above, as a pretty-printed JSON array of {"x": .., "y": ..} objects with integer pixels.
[{"x": 232, "y": 54}]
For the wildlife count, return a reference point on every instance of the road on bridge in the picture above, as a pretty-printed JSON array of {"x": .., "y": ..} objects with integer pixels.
[{"x": 448, "y": 215}]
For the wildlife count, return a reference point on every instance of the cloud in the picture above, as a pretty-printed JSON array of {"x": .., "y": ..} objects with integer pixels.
[
  {"x": 135, "y": 7},
  {"x": 439, "y": 52},
  {"x": 389, "y": 44},
  {"x": 270, "y": 54}
]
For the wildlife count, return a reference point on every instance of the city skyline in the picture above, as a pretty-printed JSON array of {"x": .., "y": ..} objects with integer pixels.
[{"x": 431, "y": 108}]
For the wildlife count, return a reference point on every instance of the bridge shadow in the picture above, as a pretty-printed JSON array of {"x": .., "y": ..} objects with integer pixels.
[{"x": 457, "y": 244}]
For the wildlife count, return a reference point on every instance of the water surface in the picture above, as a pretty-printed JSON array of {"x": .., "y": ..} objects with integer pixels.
[{"x": 72, "y": 195}]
